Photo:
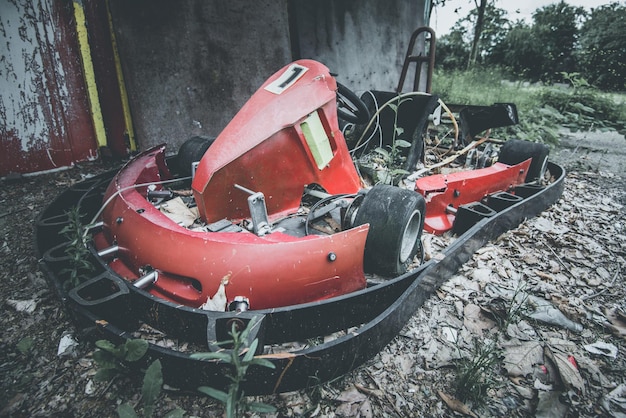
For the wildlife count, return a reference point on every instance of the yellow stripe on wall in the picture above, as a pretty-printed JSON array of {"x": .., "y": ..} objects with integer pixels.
[
  {"x": 90, "y": 78},
  {"x": 122, "y": 86}
]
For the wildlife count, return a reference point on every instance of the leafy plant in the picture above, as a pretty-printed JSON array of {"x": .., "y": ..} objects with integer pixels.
[
  {"x": 111, "y": 359},
  {"x": 150, "y": 391},
  {"x": 582, "y": 107},
  {"x": 390, "y": 161},
  {"x": 25, "y": 345},
  {"x": 384, "y": 165},
  {"x": 540, "y": 124},
  {"x": 240, "y": 358},
  {"x": 76, "y": 250}
]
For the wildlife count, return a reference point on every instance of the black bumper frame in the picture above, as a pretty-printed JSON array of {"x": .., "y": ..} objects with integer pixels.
[{"x": 106, "y": 307}]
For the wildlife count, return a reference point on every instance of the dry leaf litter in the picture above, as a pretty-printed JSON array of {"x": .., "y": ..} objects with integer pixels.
[{"x": 547, "y": 298}]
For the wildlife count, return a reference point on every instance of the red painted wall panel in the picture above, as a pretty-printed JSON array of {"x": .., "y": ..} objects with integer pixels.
[{"x": 44, "y": 112}]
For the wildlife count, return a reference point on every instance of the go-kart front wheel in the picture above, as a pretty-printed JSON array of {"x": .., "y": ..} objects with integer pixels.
[{"x": 396, "y": 218}]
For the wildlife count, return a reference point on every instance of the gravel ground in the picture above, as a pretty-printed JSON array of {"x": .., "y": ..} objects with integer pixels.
[{"x": 573, "y": 255}]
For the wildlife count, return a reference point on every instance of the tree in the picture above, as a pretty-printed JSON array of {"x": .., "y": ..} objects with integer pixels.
[
  {"x": 555, "y": 27},
  {"x": 478, "y": 29},
  {"x": 455, "y": 50},
  {"x": 452, "y": 51},
  {"x": 520, "y": 52},
  {"x": 545, "y": 49},
  {"x": 603, "y": 47},
  {"x": 496, "y": 26}
]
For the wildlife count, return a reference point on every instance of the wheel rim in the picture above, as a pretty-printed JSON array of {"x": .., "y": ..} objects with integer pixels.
[{"x": 409, "y": 237}]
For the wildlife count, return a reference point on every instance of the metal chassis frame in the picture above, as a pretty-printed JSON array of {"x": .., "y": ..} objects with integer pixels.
[{"x": 378, "y": 312}]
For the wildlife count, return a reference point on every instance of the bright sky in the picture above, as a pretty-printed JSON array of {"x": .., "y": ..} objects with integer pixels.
[{"x": 443, "y": 18}]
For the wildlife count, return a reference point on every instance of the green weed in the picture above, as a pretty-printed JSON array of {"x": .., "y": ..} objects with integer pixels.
[
  {"x": 240, "y": 357},
  {"x": 112, "y": 360},
  {"x": 150, "y": 391},
  {"x": 384, "y": 164},
  {"x": 76, "y": 250},
  {"x": 477, "y": 372}
]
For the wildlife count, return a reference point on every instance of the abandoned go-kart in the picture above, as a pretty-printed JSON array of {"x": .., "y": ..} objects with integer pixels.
[{"x": 273, "y": 221}]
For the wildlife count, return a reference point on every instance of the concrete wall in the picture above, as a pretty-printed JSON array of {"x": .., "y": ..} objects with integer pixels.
[
  {"x": 363, "y": 41},
  {"x": 189, "y": 66}
]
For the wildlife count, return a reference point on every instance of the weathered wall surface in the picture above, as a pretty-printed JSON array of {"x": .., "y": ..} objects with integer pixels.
[
  {"x": 363, "y": 41},
  {"x": 189, "y": 66},
  {"x": 44, "y": 118}
]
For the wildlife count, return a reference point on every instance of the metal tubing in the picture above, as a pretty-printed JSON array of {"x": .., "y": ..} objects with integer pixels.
[
  {"x": 146, "y": 280},
  {"x": 108, "y": 251},
  {"x": 419, "y": 60}
]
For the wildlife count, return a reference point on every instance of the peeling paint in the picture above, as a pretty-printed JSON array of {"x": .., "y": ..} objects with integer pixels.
[
  {"x": 24, "y": 102},
  {"x": 39, "y": 97}
]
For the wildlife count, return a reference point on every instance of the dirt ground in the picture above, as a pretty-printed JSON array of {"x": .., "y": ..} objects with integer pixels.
[
  {"x": 594, "y": 152},
  {"x": 573, "y": 255}
]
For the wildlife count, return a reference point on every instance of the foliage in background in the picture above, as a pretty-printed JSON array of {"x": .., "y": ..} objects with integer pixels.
[
  {"x": 583, "y": 107},
  {"x": 555, "y": 29},
  {"x": 561, "y": 39},
  {"x": 454, "y": 50},
  {"x": 542, "y": 109},
  {"x": 480, "y": 87},
  {"x": 520, "y": 52},
  {"x": 602, "y": 52}
]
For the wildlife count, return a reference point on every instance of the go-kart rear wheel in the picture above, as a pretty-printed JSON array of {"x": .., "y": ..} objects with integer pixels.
[
  {"x": 514, "y": 151},
  {"x": 191, "y": 151},
  {"x": 396, "y": 218}
]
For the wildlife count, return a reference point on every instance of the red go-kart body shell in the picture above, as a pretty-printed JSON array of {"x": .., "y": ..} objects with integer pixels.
[
  {"x": 444, "y": 193},
  {"x": 265, "y": 150}
]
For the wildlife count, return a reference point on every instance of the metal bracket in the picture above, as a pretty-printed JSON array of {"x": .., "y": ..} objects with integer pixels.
[{"x": 258, "y": 211}]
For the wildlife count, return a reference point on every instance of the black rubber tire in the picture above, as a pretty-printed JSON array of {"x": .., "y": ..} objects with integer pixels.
[
  {"x": 192, "y": 151},
  {"x": 514, "y": 151},
  {"x": 396, "y": 219},
  {"x": 350, "y": 107}
]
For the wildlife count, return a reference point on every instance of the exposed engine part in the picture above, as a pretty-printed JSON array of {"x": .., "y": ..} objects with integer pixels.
[{"x": 239, "y": 304}]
